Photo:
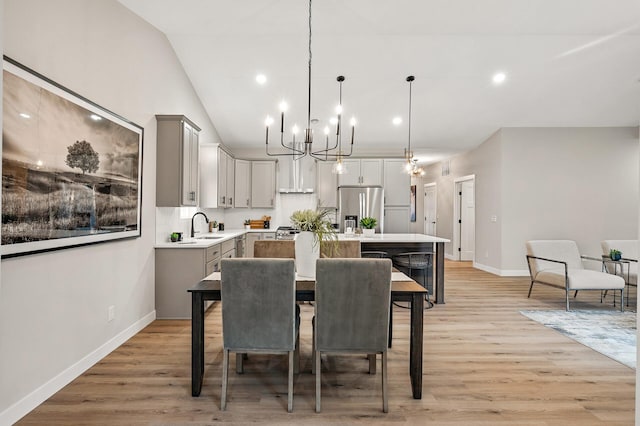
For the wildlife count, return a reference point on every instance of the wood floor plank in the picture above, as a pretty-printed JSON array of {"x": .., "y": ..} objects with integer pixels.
[{"x": 484, "y": 364}]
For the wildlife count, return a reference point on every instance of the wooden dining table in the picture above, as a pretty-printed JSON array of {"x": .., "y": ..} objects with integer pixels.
[{"x": 403, "y": 289}]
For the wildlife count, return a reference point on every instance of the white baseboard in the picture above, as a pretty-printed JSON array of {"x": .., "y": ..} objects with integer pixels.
[
  {"x": 502, "y": 272},
  {"x": 41, "y": 394},
  {"x": 449, "y": 256}
]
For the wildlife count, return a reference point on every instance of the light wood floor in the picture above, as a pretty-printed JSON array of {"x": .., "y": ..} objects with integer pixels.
[{"x": 484, "y": 363}]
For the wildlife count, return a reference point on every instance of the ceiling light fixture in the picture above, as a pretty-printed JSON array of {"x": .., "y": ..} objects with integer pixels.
[
  {"x": 299, "y": 149},
  {"x": 499, "y": 78},
  {"x": 261, "y": 79},
  {"x": 410, "y": 166}
]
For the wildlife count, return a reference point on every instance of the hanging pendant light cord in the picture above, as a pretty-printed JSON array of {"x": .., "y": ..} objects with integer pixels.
[{"x": 410, "y": 80}]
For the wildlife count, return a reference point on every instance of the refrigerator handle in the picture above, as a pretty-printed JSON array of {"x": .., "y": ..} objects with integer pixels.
[{"x": 361, "y": 205}]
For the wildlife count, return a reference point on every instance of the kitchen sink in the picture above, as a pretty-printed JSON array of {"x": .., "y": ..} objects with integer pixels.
[
  {"x": 208, "y": 237},
  {"x": 187, "y": 242}
]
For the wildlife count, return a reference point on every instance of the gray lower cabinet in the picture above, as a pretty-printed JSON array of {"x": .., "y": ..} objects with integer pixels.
[{"x": 177, "y": 270}]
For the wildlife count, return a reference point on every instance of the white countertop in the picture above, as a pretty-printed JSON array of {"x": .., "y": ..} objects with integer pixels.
[
  {"x": 200, "y": 243},
  {"x": 395, "y": 238}
]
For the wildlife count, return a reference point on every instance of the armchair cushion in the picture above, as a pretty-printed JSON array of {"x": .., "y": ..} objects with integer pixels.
[{"x": 581, "y": 279}]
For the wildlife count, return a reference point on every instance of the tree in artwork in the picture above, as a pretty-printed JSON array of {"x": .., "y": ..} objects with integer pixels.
[{"x": 82, "y": 156}]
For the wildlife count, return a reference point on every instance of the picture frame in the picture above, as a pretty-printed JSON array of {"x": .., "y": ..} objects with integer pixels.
[
  {"x": 412, "y": 204},
  {"x": 71, "y": 169}
]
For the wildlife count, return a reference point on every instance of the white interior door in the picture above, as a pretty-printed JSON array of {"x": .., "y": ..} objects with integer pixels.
[
  {"x": 430, "y": 209},
  {"x": 467, "y": 220}
]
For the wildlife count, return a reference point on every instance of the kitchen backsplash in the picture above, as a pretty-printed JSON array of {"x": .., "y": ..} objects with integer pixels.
[{"x": 178, "y": 219}]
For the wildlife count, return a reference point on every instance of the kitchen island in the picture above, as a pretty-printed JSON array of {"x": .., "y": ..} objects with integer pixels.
[{"x": 403, "y": 243}]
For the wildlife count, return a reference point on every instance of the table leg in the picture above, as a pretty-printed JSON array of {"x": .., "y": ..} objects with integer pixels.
[
  {"x": 416, "y": 344},
  {"x": 439, "y": 287},
  {"x": 197, "y": 342}
]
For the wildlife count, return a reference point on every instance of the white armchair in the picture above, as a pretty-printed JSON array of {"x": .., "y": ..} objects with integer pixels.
[
  {"x": 558, "y": 263},
  {"x": 627, "y": 268}
]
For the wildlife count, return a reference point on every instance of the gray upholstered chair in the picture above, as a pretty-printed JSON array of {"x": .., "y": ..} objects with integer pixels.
[
  {"x": 258, "y": 312},
  {"x": 558, "y": 263},
  {"x": 352, "y": 311}
]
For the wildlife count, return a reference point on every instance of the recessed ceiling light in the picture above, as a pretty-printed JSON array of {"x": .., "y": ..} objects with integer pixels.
[
  {"x": 499, "y": 78},
  {"x": 95, "y": 117},
  {"x": 24, "y": 115},
  {"x": 397, "y": 121},
  {"x": 261, "y": 79}
]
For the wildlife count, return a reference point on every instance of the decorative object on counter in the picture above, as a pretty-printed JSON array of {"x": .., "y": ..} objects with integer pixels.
[
  {"x": 368, "y": 225},
  {"x": 192, "y": 233},
  {"x": 175, "y": 237},
  {"x": 247, "y": 224},
  {"x": 349, "y": 227},
  {"x": 314, "y": 227},
  {"x": 221, "y": 226},
  {"x": 615, "y": 254},
  {"x": 213, "y": 226},
  {"x": 304, "y": 147}
]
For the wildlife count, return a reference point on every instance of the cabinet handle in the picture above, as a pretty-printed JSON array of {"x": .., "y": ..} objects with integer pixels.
[
  {"x": 247, "y": 202},
  {"x": 230, "y": 200},
  {"x": 223, "y": 197},
  {"x": 192, "y": 195},
  {"x": 272, "y": 202}
]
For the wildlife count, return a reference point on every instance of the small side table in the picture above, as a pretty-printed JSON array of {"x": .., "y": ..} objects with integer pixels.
[{"x": 608, "y": 263}]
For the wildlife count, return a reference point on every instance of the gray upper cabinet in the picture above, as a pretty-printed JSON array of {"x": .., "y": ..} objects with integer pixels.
[
  {"x": 242, "y": 198},
  {"x": 397, "y": 183},
  {"x": 176, "y": 161},
  {"x": 216, "y": 177},
  {"x": 364, "y": 172},
  {"x": 263, "y": 184},
  {"x": 326, "y": 184}
]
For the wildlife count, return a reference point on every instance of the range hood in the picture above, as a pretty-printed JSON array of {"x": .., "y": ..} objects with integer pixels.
[{"x": 297, "y": 176}]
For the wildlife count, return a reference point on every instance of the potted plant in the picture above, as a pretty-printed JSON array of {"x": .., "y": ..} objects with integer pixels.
[
  {"x": 175, "y": 237},
  {"x": 213, "y": 226},
  {"x": 247, "y": 224},
  {"x": 368, "y": 225},
  {"x": 314, "y": 227},
  {"x": 615, "y": 254}
]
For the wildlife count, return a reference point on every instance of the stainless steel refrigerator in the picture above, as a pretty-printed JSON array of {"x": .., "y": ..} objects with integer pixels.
[{"x": 356, "y": 202}]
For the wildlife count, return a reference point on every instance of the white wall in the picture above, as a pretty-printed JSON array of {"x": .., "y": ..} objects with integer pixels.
[
  {"x": 53, "y": 306},
  {"x": 545, "y": 183}
]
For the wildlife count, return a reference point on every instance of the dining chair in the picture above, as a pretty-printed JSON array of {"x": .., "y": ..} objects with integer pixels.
[
  {"x": 352, "y": 312},
  {"x": 344, "y": 248},
  {"x": 283, "y": 249},
  {"x": 258, "y": 312}
]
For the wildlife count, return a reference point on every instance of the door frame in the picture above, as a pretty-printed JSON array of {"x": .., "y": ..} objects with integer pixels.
[
  {"x": 457, "y": 183},
  {"x": 435, "y": 203}
]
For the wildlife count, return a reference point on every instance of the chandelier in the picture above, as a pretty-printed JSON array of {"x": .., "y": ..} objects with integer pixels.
[
  {"x": 302, "y": 148},
  {"x": 411, "y": 167}
]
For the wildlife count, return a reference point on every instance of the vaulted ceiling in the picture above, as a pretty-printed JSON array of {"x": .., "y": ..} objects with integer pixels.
[{"x": 567, "y": 63}]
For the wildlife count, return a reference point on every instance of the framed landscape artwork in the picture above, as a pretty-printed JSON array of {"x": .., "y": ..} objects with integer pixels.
[{"x": 71, "y": 170}]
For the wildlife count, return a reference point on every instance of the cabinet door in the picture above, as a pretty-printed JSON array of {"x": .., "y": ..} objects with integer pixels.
[
  {"x": 189, "y": 165},
  {"x": 222, "y": 177},
  {"x": 396, "y": 220},
  {"x": 252, "y": 237},
  {"x": 263, "y": 184},
  {"x": 327, "y": 184},
  {"x": 370, "y": 172},
  {"x": 231, "y": 169},
  {"x": 397, "y": 183},
  {"x": 352, "y": 174},
  {"x": 242, "y": 184}
]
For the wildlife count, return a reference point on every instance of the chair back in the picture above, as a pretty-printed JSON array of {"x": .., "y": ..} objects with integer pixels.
[
  {"x": 352, "y": 305},
  {"x": 562, "y": 250},
  {"x": 282, "y": 249},
  {"x": 343, "y": 249},
  {"x": 258, "y": 304}
]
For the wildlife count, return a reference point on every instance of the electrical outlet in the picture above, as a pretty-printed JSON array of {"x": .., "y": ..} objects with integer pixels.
[{"x": 111, "y": 313}]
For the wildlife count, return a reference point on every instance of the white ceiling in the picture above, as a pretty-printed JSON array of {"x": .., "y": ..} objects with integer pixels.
[{"x": 568, "y": 63}]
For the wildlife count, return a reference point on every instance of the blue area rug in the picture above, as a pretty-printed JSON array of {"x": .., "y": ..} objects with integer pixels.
[{"x": 612, "y": 333}]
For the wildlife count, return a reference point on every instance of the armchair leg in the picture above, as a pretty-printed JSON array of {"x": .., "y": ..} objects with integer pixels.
[
  {"x": 567, "y": 297},
  {"x": 530, "y": 288},
  {"x": 622, "y": 300}
]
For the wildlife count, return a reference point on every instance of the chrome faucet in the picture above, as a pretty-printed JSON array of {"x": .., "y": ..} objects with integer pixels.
[{"x": 193, "y": 217}]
